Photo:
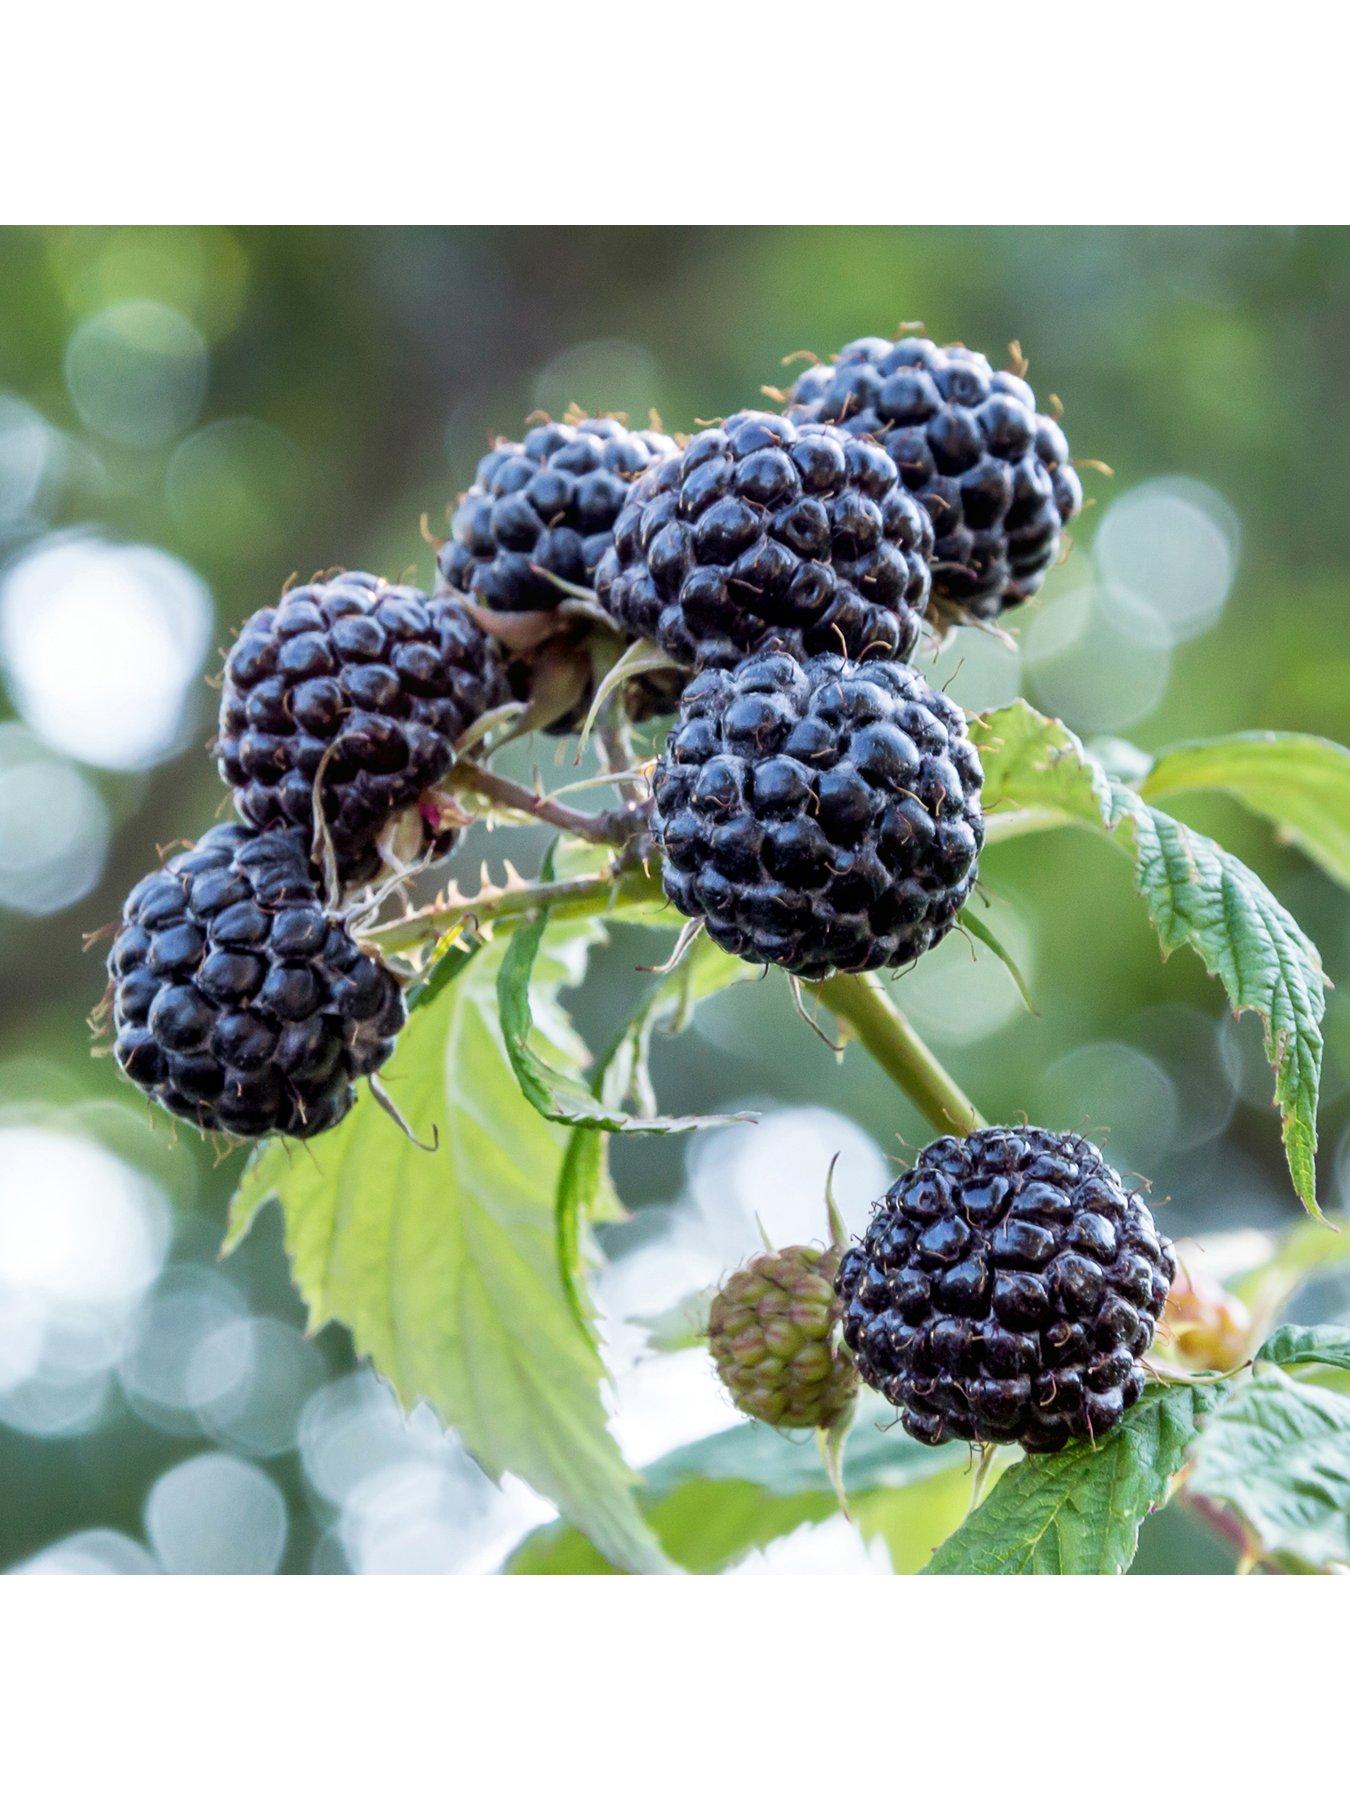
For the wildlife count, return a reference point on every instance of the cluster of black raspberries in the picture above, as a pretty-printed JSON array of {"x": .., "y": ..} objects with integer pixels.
[
  {"x": 816, "y": 807},
  {"x": 240, "y": 998}
]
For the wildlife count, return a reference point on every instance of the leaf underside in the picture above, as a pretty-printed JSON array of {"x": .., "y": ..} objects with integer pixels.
[
  {"x": 622, "y": 1078},
  {"x": 1279, "y": 1454},
  {"x": 555, "y": 1090}
]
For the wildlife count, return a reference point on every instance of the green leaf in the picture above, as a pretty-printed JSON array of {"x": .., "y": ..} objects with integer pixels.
[
  {"x": 1030, "y": 760},
  {"x": 581, "y": 1178},
  {"x": 879, "y": 1454},
  {"x": 623, "y": 1075},
  {"x": 916, "y": 1518},
  {"x": 1300, "y": 783},
  {"x": 1292, "y": 1344},
  {"x": 703, "y": 1527},
  {"x": 1196, "y": 894},
  {"x": 444, "y": 1267},
  {"x": 1279, "y": 1454},
  {"x": 1079, "y": 1512},
  {"x": 713, "y": 1501},
  {"x": 558, "y": 1093},
  {"x": 977, "y": 928}
]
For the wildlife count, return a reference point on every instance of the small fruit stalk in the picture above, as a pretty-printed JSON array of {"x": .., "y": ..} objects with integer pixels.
[{"x": 773, "y": 1332}]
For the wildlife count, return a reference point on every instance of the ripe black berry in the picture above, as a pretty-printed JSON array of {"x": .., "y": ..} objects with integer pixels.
[
  {"x": 820, "y": 816},
  {"x": 237, "y": 1003},
  {"x": 384, "y": 677},
  {"x": 549, "y": 503},
  {"x": 968, "y": 441},
  {"x": 762, "y": 534},
  {"x": 1006, "y": 1291}
]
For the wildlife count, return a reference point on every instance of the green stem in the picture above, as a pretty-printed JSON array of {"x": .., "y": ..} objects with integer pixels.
[
  {"x": 889, "y": 1038},
  {"x": 980, "y": 1482}
]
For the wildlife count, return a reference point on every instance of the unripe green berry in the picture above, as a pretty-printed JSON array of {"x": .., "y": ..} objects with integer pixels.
[{"x": 771, "y": 1330}]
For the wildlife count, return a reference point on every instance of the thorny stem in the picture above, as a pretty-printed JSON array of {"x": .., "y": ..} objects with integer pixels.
[
  {"x": 576, "y": 898},
  {"x": 889, "y": 1038},
  {"x": 859, "y": 1000},
  {"x": 613, "y": 827}
]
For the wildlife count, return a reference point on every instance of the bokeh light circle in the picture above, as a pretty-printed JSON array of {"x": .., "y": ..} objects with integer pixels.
[
  {"x": 160, "y": 1376},
  {"x": 29, "y": 451},
  {"x": 100, "y": 644},
  {"x": 1115, "y": 1094},
  {"x": 136, "y": 372},
  {"x": 77, "y": 1224},
  {"x": 233, "y": 488},
  {"x": 253, "y": 1377},
  {"x": 1166, "y": 552},
  {"x": 976, "y": 669},
  {"x": 1089, "y": 665},
  {"x": 54, "y": 827},
  {"x": 960, "y": 992},
  {"x": 775, "y": 1171},
  {"x": 601, "y": 375},
  {"x": 97, "y": 1552},
  {"x": 216, "y": 1515}
]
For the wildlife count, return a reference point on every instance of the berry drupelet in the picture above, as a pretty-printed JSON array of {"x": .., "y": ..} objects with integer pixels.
[
  {"x": 237, "y": 1003},
  {"x": 822, "y": 816},
  {"x": 993, "y": 472},
  {"x": 548, "y": 504},
  {"x": 379, "y": 679},
  {"x": 762, "y": 534},
  {"x": 1006, "y": 1291}
]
